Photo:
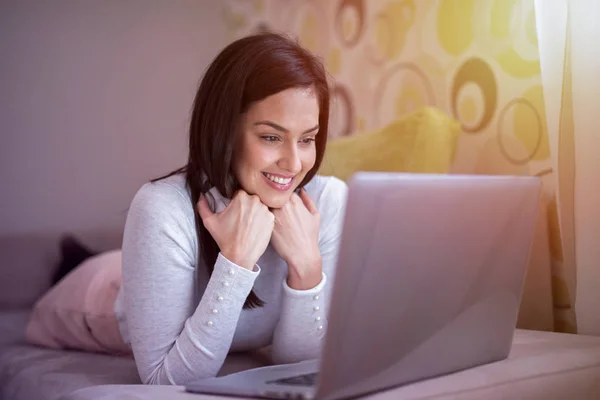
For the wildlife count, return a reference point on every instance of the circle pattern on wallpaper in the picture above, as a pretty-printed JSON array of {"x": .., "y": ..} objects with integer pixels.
[
  {"x": 402, "y": 89},
  {"x": 333, "y": 62},
  {"x": 526, "y": 123},
  {"x": 379, "y": 40},
  {"x": 476, "y": 71},
  {"x": 309, "y": 20},
  {"x": 387, "y": 33},
  {"x": 438, "y": 81},
  {"x": 519, "y": 106},
  {"x": 455, "y": 25},
  {"x": 470, "y": 105},
  {"x": 492, "y": 161},
  {"x": 342, "y": 113},
  {"x": 350, "y": 21},
  {"x": 508, "y": 36}
]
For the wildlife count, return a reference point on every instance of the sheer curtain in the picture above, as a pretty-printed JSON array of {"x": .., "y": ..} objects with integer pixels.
[{"x": 569, "y": 45}]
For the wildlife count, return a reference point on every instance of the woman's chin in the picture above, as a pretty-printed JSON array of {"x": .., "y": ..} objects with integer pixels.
[{"x": 275, "y": 202}]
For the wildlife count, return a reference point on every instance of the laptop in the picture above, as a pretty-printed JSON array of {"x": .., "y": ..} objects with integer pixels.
[{"x": 428, "y": 282}]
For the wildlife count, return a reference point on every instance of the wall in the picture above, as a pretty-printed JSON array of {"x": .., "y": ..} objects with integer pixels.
[
  {"x": 95, "y": 100},
  {"x": 477, "y": 60}
]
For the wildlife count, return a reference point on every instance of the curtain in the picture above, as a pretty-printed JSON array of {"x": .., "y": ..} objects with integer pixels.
[{"x": 568, "y": 34}]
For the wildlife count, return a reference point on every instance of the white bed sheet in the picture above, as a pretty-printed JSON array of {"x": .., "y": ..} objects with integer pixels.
[{"x": 541, "y": 365}]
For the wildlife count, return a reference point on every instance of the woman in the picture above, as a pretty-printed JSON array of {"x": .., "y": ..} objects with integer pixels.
[{"x": 236, "y": 250}]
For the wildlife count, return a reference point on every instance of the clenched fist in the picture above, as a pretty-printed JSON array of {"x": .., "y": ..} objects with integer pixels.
[
  {"x": 242, "y": 230},
  {"x": 296, "y": 239}
]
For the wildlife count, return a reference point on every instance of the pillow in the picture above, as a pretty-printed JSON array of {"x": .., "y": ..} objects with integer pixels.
[
  {"x": 423, "y": 141},
  {"x": 73, "y": 253},
  {"x": 78, "y": 312}
]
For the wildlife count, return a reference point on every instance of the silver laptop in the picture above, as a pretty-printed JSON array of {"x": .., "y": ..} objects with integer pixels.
[{"x": 428, "y": 282}]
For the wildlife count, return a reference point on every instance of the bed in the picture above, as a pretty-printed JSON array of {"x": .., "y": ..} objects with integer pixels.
[{"x": 542, "y": 365}]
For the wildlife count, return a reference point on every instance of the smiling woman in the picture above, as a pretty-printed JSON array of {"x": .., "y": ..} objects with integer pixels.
[
  {"x": 235, "y": 251},
  {"x": 274, "y": 157}
]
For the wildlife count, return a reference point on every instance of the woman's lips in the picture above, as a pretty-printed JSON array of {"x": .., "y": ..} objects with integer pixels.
[{"x": 282, "y": 187}]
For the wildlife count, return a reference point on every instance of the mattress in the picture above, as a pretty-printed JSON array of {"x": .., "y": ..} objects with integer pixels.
[
  {"x": 12, "y": 326},
  {"x": 541, "y": 365},
  {"x": 29, "y": 372}
]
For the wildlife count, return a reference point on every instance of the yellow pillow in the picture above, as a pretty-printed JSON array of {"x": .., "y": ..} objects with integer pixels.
[{"x": 423, "y": 141}]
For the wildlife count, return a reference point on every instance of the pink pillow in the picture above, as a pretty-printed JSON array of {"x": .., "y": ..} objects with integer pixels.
[{"x": 78, "y": 312}]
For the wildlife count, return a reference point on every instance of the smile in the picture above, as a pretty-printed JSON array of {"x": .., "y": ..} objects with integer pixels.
[
  {"x": 277, "y": 182},
  {"x": 276, "y": 179}
]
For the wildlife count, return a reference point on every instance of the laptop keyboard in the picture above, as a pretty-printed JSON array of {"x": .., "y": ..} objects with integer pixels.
[{"x": 300, "y": 380}]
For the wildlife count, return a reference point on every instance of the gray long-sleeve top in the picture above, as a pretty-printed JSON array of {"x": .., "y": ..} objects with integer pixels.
[{"x": 182, "y": 326}]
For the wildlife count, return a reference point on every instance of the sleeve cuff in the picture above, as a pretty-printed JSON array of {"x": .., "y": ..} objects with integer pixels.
[
  {"x": 309, "y": 292},
  {"x": 223, "y": 262}
]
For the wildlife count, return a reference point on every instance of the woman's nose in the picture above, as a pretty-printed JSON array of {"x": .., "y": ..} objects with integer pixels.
[{"x": 290, "y": 160}]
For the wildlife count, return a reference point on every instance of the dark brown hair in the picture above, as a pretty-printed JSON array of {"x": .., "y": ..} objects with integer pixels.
[{"x": 246, "y": 71}]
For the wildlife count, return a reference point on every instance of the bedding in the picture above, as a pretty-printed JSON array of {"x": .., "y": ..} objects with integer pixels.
[
  {"x": 541, "y": 365},
  {"x": 78, "y": 312},
  {"x": 29, "y": 372}
]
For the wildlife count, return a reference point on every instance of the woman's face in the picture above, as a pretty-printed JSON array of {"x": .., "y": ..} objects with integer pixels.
[{"x": 276, "y": 146}]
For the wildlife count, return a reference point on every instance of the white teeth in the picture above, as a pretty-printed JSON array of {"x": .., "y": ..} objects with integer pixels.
[{"x": 276, "y": 179}]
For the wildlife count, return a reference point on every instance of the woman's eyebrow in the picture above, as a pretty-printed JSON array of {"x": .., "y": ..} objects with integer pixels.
[{"x": 281, "y": 128}]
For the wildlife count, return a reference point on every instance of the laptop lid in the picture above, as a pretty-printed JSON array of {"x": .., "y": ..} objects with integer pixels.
[{"x": 429, "y": 277}]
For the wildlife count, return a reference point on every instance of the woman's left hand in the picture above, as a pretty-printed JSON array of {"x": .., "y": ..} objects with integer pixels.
[{"x": 296, "y": 238}]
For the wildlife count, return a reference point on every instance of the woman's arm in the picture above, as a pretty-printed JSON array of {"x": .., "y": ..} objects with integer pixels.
[
  {"x": 302, "y": 324},
  {"x": 174, "y": 341}
]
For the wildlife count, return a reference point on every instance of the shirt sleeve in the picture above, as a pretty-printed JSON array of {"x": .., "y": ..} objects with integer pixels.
[
  {"x": 302, "y": 325},
  {"x": 173, "y": 340}
]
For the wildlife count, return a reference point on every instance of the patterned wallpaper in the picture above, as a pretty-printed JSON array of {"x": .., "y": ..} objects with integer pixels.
[{"x": 477, "y": 60}]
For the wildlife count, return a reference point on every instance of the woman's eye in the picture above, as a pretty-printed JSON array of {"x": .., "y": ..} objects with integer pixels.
[
  {"x": 270, "y": 138},
  {"x": 307, "y": 140}
]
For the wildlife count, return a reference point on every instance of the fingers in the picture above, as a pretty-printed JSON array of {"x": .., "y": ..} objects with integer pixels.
[
  {"x": 272, "y": 220},
  {"x": 241, "y": 194},
  {"x": 250, "y": 201},
  {"x": 203, "y": 208},
  {"x": 245, "y": 197},
  {"x": 308, "y": 202},
  {"x": 255, "y": 200}
]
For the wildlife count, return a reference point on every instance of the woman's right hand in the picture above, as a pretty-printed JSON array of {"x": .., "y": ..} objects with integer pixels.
[{"x": 242, "y": 230}]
